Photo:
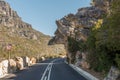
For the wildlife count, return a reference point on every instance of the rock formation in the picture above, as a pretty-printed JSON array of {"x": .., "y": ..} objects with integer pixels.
[
  {"x": 19, "y": 63},
  {"x": 12, "y": 66},
  {"x": 11, "y": 20},
  {"x": 77, "y": 26}
]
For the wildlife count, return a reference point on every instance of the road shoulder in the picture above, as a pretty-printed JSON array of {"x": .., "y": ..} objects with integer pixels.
[{"x": 85, "y": 74}]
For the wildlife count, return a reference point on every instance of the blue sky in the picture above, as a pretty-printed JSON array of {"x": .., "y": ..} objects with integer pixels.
[{"x": 42, "y": 14}]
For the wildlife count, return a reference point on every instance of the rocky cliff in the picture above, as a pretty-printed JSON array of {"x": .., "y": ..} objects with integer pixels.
[
  {"x": 10, "y": 20},
  {"x": 77, "y": 26},
  {"x": 91, "y": 37},
  {"x": 23, "y": 38},
  {"x": 74, "y": 29}
]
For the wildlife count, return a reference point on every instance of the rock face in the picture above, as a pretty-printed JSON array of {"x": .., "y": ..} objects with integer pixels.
[
  {"x": 81, "y": 59},
  {"x": 78, "y": 26},
  {"x": 102, "y": 4},
  {"x": 11, "y": 20}
]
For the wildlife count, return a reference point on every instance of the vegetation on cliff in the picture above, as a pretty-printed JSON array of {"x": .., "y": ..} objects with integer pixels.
[
  {"x": 104, "y": 42},
  {"x": 92, "y": 36}
]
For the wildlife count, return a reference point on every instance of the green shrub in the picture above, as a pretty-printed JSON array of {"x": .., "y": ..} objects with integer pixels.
[{"x": 73, "y": 45}]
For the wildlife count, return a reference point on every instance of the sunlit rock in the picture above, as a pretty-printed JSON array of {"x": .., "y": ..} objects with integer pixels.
[
  {"x": 78, "y": 26},
  {"x": 5, "y": 66},
  {"x": 43, "y": 58},
  {"x": 32, "y": 60},
  {"x": 26, "y": 61},
  {"x": 1, "y": 71},
  {"x": 19, "y": 63},
  {"x": 12, "y": 65}
]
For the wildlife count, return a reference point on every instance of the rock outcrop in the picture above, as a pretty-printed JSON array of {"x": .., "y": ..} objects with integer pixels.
[
  {"x": 11, "y": 20},
  {"x": 102, "y": 4},
  {"x": 77, "y": 26}
]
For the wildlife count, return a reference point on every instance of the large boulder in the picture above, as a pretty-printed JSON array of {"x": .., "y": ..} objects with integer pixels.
[
  {"x": 76, "y": 26},
  {"x": 81, "y": 60},
  {"x": 26, "y": 61},
  {"x": 114, "y": 74},
  {"x": 19, "y": 63},
  {"x": 5, "y": 66},
  {"x": 32, "y": 60},
  {"x": 78, "y": 58},
  {"x": 84, "y": 64},
  {"x": 1, "y": 73},
  {"x": 12, "y": 65},
  {"x": 42, "y": 58}
]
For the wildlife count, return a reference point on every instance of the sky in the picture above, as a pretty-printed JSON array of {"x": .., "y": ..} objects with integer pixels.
[{"x": 42, "y": 14}]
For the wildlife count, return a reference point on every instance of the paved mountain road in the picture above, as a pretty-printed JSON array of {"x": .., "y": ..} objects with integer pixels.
[{"x": 53, "y": 69}]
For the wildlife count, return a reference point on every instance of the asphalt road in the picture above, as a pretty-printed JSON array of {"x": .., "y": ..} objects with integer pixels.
[{"x": 53, "y": 69}]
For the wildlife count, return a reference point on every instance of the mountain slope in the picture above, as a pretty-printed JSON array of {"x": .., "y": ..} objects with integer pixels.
[{"x": 24, "y": 39}]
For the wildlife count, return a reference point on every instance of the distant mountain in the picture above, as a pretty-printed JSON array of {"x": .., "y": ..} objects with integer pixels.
[{"x": 24, "y": 39}]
